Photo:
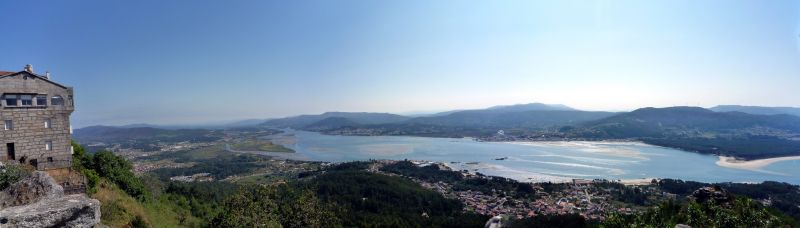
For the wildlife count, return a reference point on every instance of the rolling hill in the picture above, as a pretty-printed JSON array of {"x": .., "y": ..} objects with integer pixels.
[
  {"x": 697, "y": 129},
  {"x": 464, "y": 123},
  {"x": 330, "y": 123},
  {"x": 533, "y": 115},
  {"x": 302, "y": 121},
  {"x": 654, "y": 122},
  {"x": 758, "y": 110},
  {"x": 511, "y": 119}
]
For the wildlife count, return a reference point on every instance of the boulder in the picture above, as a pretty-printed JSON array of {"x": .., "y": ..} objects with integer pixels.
[
  {"x": 495, "y": 222},
  {"x": 34, "y": 188},
  {"x": 38, "y": 201},
  {"x": 68, "y": 211}
]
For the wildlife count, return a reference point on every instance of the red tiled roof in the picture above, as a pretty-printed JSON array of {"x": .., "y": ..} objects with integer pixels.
[{"x": 2, "y": 73}]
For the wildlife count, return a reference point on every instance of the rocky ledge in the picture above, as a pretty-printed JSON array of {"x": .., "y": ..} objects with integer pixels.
[{"x": 38, "y": 201}]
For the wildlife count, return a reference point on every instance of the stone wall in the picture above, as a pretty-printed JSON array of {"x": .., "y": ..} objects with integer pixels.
[{"x": 29, "y": 134}]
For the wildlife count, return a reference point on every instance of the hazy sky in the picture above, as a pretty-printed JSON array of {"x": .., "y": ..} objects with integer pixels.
[{"x": 197, "y": 61}]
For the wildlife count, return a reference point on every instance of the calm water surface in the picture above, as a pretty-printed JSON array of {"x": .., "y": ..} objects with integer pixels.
[{"x": 548, "y": 161}]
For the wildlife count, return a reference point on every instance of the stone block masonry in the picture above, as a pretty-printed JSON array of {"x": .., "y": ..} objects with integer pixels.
[{"x": 34, "y": 114}]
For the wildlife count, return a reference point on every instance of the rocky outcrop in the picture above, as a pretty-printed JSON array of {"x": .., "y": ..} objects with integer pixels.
[
  {"x": 68, "y": 211},
  {"x": 714, "y": 195},
  {"x": 38, "y": 201},
  {"x": 36, "y": 187},
  {"x": 495, "y": 222}
]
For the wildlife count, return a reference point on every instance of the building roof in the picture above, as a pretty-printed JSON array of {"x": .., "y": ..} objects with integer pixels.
[{"x": 6, "y": 73}]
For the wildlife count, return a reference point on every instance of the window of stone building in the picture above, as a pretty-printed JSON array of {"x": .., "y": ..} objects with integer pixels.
[
  {"x": 41, "y": 100},
  {"x": 8, "y": 125},
  {"x": 48, "y": 145},
  {"x": 49, "y": 159},
  {"x": 11, "y": 99},
  {"x": 27, "y": 100},
  {"x": 47, "y": 123},
  {"x": 57, "y": 100}
]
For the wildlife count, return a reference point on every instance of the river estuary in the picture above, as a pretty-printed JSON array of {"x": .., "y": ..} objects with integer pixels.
[{"x": 536, "y": 161}]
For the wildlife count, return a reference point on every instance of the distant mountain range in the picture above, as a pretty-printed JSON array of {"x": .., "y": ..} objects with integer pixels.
[
  {"x": 300, "y": 122},
  {"x": 534, "y": 115},
  {"x": 758, "y": 110},
  {"x": 530, "y": 107},
  {"x": 742, "y": 131},
  {"x": 511, "y": 119}
]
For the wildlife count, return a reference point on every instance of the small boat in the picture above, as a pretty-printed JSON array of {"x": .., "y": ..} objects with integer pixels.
[{"x": 500, "y": 159}]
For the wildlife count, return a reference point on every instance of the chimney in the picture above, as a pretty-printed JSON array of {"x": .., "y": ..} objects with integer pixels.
[
  {"x": 47, "y": 75},
  {"x": 29, "y": 68}
]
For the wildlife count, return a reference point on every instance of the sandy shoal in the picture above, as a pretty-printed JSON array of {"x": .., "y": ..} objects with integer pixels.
[{"x": 731, "y": 162}]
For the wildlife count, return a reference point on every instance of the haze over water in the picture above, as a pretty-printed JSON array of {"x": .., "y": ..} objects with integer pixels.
[{"x": 546, "y": 161}]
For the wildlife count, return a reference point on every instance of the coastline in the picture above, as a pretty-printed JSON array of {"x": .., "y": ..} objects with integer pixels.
[
  {"x": 606, "y": 153},
  {"x": 502, "y": 171},
  {"x": 755, "y": 165}
]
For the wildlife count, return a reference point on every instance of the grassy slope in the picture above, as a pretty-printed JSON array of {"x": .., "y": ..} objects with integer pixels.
[{"x": 119, "y": 209}]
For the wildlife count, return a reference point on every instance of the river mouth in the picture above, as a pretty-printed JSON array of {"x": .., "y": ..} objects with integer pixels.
[{"x": 539, "y": 161}]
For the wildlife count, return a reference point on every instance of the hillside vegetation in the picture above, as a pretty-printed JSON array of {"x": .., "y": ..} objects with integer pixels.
[
  {"x": 696, "y": 129},
  {"x": 349, "y": 195}
]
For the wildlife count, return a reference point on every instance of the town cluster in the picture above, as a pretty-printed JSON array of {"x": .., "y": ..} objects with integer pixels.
[{"x": 592, "y": 199}]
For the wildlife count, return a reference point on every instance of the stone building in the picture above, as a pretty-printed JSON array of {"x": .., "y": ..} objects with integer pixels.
[{"x": 35, "y": 116}]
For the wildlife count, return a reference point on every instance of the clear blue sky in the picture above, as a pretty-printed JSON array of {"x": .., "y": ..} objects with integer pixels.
[{"x": 200, "y": 61}]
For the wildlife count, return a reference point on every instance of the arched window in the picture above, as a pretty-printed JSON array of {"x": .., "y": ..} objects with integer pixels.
[{"x": 57, "y": 100}]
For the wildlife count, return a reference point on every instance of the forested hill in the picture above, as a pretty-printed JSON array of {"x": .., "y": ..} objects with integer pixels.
[
  {"x": 511, "y": 119},
  {"x": 696, "y": 129},
  {"x": 330, "y": 123},
  {"x": 657, "y": 122},
  {"x": 449, "y": 124},
  {"x": 759, "y": 110},
  {"x": 302, "y": 121}
]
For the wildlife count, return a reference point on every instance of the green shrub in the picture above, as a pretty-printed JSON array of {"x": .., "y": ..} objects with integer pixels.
[
  {"x": 79, "y": 157},
  {"x": 92, "y": 179},
  {"x": 138, "y": 222},
  {"x": 112, "y": 167},
  {"x": 10, "y": 174}
]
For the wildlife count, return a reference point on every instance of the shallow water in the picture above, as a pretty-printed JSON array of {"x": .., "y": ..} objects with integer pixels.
[{"x": 545, "y": 161}]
